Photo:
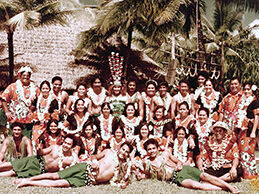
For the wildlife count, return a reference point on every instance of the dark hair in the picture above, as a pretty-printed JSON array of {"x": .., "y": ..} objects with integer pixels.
[
  {"x": 210, "y": 81},
  {"x": 87, "y": 123},
  {"x": 76, "y": 102},
  {"x": 163, "y": 84},
  {"x": 158, "y": 107},
  {"x": 204, "y": 109},
  {"x": 104, "y": 104},
  {"x": 151, "y": 82},
  {"x": 184, "y": 81},
  {"x": 56, "y": 78},
  {"x": 95, "y": 78},
  {"x": 247, "y": 83},
  {"x": 131, "y": 79},
  {"x": 118, "y": 125},
  {"x": 78, "y": 85},
  {"x": 203, "y": 74},
  {"x": 27, "y": 72},
  {"x": 53, "y": 106},
  {"x": 187, "y": 106},
  {"x": 180, "y": 128},
  {"x": 45, "y": 82},
  {"x": 150, "y": 141},
  {"x": 235, "y": 78},
  {"x": 138, "y": 129},
  {"x": 17, "y": 124},
  {"x": 127, "y": 105},
  {"x": 168, "y": 127},
  {"x": 128, "y": 144},
  {"x": 71, "y": 136},
  {"x": 48, "y": 126}
]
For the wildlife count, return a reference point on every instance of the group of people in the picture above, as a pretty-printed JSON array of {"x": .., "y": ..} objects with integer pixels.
[{"x": 100, "y": 135}]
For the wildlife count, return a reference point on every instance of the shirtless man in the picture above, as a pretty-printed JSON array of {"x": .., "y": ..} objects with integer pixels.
[
  {"x": 51, "y": 159},
  {"x": 165, "y": 166},
  {"x": 16, "y": 145},
  {"x": 133, "y": 96},
  {"x": 100, "y": 170},
  {"x": 60, "y": 95},
  {"x": 97, "y": 94},
  {"x": 181, "y": 96}
]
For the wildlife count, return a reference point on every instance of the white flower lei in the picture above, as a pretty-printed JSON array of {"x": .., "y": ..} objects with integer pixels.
[
  {"x": 160, "y": 126},
  {"x": 113, "y": 142},
  {"x": 207, "y": 126},
  {"x": 41, "y": 111},
  {"x": 212, "y": 102},
  {"x": 109, "y": 128},
  {"x": 165, "y": 101},
  {"x": 79, "y": 127},
  {"x": 242, "y": 109},
  {"x": 20, "y": 92},
  {"x": 129, "y": 124},
  {"x": 58, "y": 98},
  {"x": 93, "y": 96},
  {"x": 187, "y": 98},
  {"x": 61, "y": 159},
  {"x": 182, "y": 156},
  {"x": 139, "y": 148},
  {"x": 147, "y": 104}
]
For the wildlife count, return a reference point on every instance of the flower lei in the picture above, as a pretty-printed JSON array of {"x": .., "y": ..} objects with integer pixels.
[
  {"x": 106, "y": 133},
  {"x": 183, "y": 123},
  {"x": 242, "y": 109},
  {"x": 130, "y": 124},
  {"x": 140, "y": 149},
  {"x": 61, "y": 159},
  {"x": 165, "y": 101},
  {"x": 120, "y": 170},
  {"x": 218, "y": 152},
  {"x": 213, "y": 99},
  {"x": 20, "y": 93},
  {"x": 180, "y": 151},
  {"x": 159, "y": 125},
  {"x": 113, "y": 142},
  {"x": 43, "y": 110},
  {"x": 89, "y": 145},
  {"x": 207, "y": 126},
  {"x": 93, "y": 96},
  {"x": 187, "y": 98},
  {"x": 79, "y": 127},
  {"x": 134, "y": 99},
  {"x": 147, "y": 104}
]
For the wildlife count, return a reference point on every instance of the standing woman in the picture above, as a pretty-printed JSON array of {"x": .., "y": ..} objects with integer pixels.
[
  {"x": 158, "y": 122},
  {"x": 209, "y": 98},
  {"x": 97, "y": 94},
  {"x": 80, "y": 93},
  {"x": 74, "y": 123},
  {"x": 105, "y": 121},
  {"x": 130, "y": 119},
  {"x": 117, "y": 99},
  {"x": 151, "y": 87}
]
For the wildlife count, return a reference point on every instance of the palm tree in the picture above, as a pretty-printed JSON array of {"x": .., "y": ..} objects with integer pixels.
[{"x": 28, "y": 14}]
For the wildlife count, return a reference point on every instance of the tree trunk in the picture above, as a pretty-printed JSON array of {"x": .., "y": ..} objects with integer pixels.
[
  {"x": 170, "y": 77},
  {"x": 130, "y": 30},
  {"x": 11, "y": 54},
  {"x": 222, "y": 61},
  {"x": 200, "y": 40}
]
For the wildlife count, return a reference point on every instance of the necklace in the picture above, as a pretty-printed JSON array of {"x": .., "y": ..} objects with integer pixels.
[
  {"x": 130, "y": 124},
  {"x": 180, "y": 151},
  {"x": 165, "y": 101},
  {"x": 20, "y": 93},
  {"x": 61, "y": 159},
  {"x": 206, "y": 126},
  {"x": 187, "y": 98},
  {"x": 106, "y": 127},
  {"x": 41, "y": 111},
  {"x": 211, "y": 101},
  {"x": 97, "y": 99}
]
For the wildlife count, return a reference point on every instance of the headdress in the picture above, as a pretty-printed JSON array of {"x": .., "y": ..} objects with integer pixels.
[
  {"x": 221, "y": 125},
  {"x": 116, "y": 67},
  {"x": 25, "y": 69}
]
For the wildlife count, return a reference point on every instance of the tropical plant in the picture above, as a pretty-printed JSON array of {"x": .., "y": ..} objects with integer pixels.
[{"x": 29, "y": 14}]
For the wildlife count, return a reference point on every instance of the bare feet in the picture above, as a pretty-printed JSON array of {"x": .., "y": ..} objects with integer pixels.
[
  {"x": 17, "y": 181},
  {"x": 22, "y": 183}
]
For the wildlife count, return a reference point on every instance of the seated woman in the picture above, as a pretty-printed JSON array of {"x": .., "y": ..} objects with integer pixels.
[
  {"x": 167, "y": 140},
  {"x": 105, "y": 121},
  {"x": 74, "y": 123},
  {"x": 80, "y": 93},
  {"x": 181, "y": 148},
  {"x": 158, "y": 121},
  {"x": 15, "y": 146},
  {"x": 221, "y": 150},
  {"x": 52, "y": 135},
  {"x": 185, "y": 119},
  {"x": 130, "y": 120},
  {"x": 118, "y": 136},
  {"x": 89, "y": 141}
]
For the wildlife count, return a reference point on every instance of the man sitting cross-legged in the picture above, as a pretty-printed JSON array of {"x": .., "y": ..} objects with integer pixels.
[
  {"x": 101, "y": 169},
  {"x": 165, "y": 166},
  {"x": 51, "y": 159}
]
